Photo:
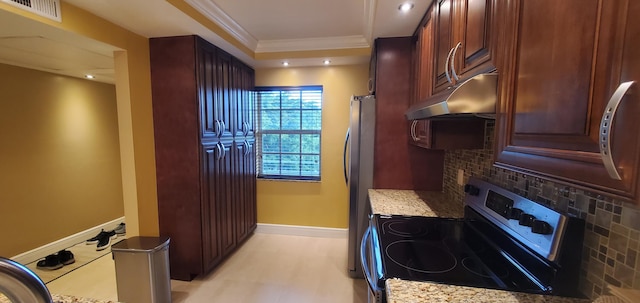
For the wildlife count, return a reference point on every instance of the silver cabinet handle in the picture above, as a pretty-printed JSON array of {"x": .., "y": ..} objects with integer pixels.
[
  {"x": 446, "y": 66},
  {"x": 344, "y": 157},
  {"x": 217, "y": 127},
  {"x": 605, "y": 129},
  {"x": 218, "y": 152},
  {"x": 246, "y": 148},
  {"x": 223, "y": 149},
  {"x": 224, "y": 126},
  {"x": 453, "y": 61},
  {"x": 413, "y": 130}
]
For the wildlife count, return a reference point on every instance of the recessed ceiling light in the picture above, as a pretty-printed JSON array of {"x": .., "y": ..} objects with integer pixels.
[
  {"x": 405, "y": 7},
  {"x": 285, "y": 63},
  {"x": 89, "y": 76},
  {"x": 327, "y": 62}
]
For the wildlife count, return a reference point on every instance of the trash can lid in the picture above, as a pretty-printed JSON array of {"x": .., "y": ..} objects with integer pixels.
[{"x": 141, "y": 244}]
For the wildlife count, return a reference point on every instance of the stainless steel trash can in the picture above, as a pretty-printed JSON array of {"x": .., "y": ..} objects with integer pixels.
[{"x": 142, "y": 270}]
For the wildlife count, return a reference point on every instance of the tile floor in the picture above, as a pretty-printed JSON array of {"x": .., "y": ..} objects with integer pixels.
[{"x": 267, "y": 268}]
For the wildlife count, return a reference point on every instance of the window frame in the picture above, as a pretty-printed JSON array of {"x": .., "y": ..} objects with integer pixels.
[{"x": 260, "y": 132}]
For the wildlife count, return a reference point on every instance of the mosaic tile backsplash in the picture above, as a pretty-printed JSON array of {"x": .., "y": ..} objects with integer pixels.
[{"x": 612, "y": 237}]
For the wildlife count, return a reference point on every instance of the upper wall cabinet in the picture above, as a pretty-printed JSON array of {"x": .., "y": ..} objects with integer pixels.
[
  {"x": 463, "y": 33},
  {"x": 459, "y": 134},
  {"x": 569, "y": 109}
]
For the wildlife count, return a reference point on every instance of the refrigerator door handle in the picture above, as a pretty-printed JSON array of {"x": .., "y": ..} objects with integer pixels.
[{"x": 344, "y": 157}]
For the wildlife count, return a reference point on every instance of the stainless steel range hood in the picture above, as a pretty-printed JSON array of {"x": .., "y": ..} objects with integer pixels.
[{"x": 474, "y": 97}]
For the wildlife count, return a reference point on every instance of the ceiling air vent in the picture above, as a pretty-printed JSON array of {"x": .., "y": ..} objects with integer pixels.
[{"x": 45, "y": 8}]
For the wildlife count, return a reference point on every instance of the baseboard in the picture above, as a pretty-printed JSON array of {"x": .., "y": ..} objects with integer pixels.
[
  {"x": 53, "y": 247},
  {"x": 307, "y": 231}
]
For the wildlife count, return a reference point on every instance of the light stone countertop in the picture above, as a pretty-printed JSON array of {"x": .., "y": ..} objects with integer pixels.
[
  {"x": 436, "y": 204},
  {"x": 63, "y": 299},
  {"x": 414, "y": 203},
  {"x": 400, "y": 291}
]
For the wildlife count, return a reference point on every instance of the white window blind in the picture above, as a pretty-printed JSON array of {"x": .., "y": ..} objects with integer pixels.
[{"x": 288, "y": 132}]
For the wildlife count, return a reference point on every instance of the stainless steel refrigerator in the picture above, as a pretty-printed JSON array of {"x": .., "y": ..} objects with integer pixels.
[{"x": 358, "y": 173}]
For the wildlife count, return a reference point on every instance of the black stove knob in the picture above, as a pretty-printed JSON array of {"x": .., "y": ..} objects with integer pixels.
[
  {"x": 526, "y": 220},
  {"x": 541, "y": 227},
  {"x": 515, "y": 213},
  {"x": 471, "y": 190}
]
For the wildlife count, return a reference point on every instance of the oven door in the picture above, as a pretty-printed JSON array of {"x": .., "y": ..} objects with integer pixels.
[{"x": 371, "y": 258}]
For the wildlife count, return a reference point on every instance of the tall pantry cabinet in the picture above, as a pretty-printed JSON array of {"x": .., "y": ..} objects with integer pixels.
[{"x": 205, "y": 160}]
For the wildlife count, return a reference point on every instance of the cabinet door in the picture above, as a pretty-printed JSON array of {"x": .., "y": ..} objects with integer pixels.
[
  {"x": 224, "y": 204},
  {"x": 211, "y": 180},
  {"x": 207, "y": 85},
  {"x": 443, "y": 43},
  {"x": 563, "y": 61},
  {"x": 423, "y": 73},
  {"x": 224, "y": 93},
  {"x": 243, "y": 77},
  {"x": 474, "y": 33},
  {"x": 250, "y": 179},
  {"x": 244, "y": 192}
]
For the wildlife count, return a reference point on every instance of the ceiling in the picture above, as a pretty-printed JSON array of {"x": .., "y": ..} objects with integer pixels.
[{"x": 300, "y": 32}]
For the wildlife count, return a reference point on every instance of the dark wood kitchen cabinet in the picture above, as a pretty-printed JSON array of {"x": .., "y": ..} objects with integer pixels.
[
  {"x": 561, "y": 64},
  {"x": 398, "y": 164},
  {"x": 246, "y": 189},
  {"x": 198, "y": 92},
  {"x": 462, "y": 37},
  {"x": 458, "y": 134}
]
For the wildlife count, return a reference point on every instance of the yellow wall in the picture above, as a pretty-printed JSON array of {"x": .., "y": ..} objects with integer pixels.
[
  {"x": 59, "y": 157},
  {"x": 135, "y": 117},
  {"x": 323, "y": 203}
]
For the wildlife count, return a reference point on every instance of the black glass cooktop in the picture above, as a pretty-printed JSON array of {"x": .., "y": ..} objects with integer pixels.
[{"x": 444, "y": 250}]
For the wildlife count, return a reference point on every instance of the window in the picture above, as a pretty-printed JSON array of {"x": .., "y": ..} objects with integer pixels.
[{"x": 288, "y": 132}]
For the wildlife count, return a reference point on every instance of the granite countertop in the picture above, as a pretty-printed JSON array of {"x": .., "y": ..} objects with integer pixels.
[
  {"x": 414, "y": 203},
  {"x": 63, "y": 299},
  {"x": 400, "y": 291},
  {"x": 436, "y": 204}
]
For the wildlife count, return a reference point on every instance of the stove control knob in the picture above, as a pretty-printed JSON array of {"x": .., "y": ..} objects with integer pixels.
[
  {"x": 471, "y": 190},
  {"x": 526, "y": 220},
  {"x": 541, "y": 227},
  {"x": 515, "y": 213}
]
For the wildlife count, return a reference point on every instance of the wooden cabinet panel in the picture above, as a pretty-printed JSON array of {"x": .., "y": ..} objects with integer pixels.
[
  {"x": 243, "y": 92},
  {"x": 397, "y": 164},
  {"x": 475, "y": 33},
  {"x": 195, "y": 98},
  {"x": 224, "y": 92},
  {"x": 563, "y": 60},
  {"x": 463, "y": 33},
  {"x": 206, "y": 57},
  {"x": 225, "y": 178},
  {"x": 211, "y": 253},
  {"x": 246, "y": 189},
  {"x": 444, "y": 38},
  {"x": 459, "y": 134}
]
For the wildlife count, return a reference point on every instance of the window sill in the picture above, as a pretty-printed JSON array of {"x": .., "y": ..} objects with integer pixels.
[{"x": 288, "y": 180}]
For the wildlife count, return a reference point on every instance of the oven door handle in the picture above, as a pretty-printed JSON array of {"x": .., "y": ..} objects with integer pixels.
[{"x": 363, "y": 260}]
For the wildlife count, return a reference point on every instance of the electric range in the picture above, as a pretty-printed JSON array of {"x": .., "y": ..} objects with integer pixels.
[{"x": 503, "y": 242}]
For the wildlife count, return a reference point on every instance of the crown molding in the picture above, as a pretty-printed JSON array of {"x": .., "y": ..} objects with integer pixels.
[
  {"x": 217, "y": 15},
  {"x": 324, "y": 43}
]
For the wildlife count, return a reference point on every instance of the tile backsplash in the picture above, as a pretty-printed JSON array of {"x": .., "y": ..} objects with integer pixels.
[{"x": 612, "y": 237}]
